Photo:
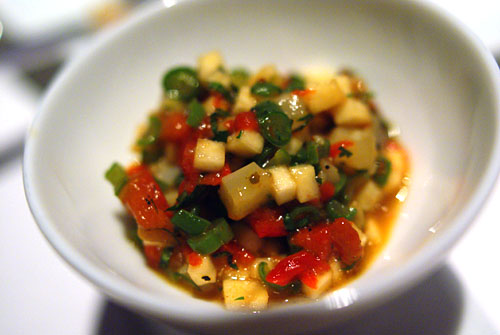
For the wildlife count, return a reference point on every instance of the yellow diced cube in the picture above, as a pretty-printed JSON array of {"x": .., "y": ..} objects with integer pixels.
[
  {"x": 245, "y": 190},
  {"x": 246, "y": 143},
  {"x": 244, "y": 294},
  {"x": 344, "y": 83},
  {"x": 364, "y": 151},
  {"x": 352, "y": 113},
  {"x": 284, "y": 188},
  {"x": 368, "y": 196},
  {"x": 324, "y": 97},
  {"x": 244, "y": 100},
  {"x": 294, "y": 145},
  {"x": 208, "y": 64},
  {"x": 209, "y": 155},
  {"x": 324, "y": 282},
  {"x": 305, "y": 178},
  {"x": 204, "y": 273}
]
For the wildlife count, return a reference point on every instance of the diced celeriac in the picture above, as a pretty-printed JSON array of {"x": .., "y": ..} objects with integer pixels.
[
  {"x": 246, "y": 143},
  {"x": 352, "y": 113},
  {"x": 244, "y": 100},
  {"x": 368, "y": 196},
  {"x": 209, "y": 155},
  {"x": 305, "y": 179},
  {"x": 171, "y": 195},
  {"x": 359, "y": 218},
  {"x": 244, "y": 294},
  {"x": 284, "y": 187},
  {"x": 324, "y": 96},
  {"x": 267, "y": 73},
  {"x": 372, "y": 231},
  {"x": 362, "y": 237},
  {"x": 165, "y": 171},
  {"x": 208, "y": 64},
  {"x": 337, "y": 272},
  {"x": 324, "y": 282},
  {"x": 318, "y": 75},
  {"x": 344, "y": 83},
  {"x": 204, "y": 273},
  {"x": 294, "y": 145},
  {"x": 220, "y": 77},
  {"x": 363, "y": 150},
  {"x": 245, "y": 190}
]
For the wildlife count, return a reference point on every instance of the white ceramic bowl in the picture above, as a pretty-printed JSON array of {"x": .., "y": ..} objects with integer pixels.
[{"x": 431, "y": 77}]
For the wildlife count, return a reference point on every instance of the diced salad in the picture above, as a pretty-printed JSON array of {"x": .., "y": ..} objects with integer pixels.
[{"x": 257, "y": 188}]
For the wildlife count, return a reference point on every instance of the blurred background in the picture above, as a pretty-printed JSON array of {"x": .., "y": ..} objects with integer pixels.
[{"x": 40, "y": 294}]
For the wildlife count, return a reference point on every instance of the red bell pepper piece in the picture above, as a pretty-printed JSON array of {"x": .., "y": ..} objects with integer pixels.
[
  {"x": 246, "y": 121},
  {"x": 267, "y": 222},
  {"x": 302, "y": 265},
  {"x": 174, "y": 127},
  {"x": 142, "y": 196}
]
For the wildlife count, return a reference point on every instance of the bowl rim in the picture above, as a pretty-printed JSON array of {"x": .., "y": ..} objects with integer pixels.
[{"x": 414, "y": 269}]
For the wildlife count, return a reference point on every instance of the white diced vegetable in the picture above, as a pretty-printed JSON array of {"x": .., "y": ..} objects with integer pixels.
[
  {"x": 165, "y": 171},
  {"x": 209, "y": 155},
  {"x": 372, "y": 231},
  {"x": 324, "y": 96},
  {"x": 368, "y": 196},
  {"x": 294, "y": 145},
  {"x": 268, "y": 73},
  {"x": 171, "y": 195},
  {"x": 363, "y": 149},
  {"x": 246, "y": 143},
  {"x": 244, "y": 294},
  {"x": 318, "y": 75},
  {"x": 344, "y": 83},
  {"x": 305, "y": 178},
  {"x": 352, "y": 113},
  {"x": 324, "y": 281},
  {"x": 284, "y": 188},
  {"x": 220, "y": 77},
  {"x": 362, "y": 237},
  {"x": 337, "y": 273},
  {"x": 245, "y": 190},
  {"x": 244, "y": 100},
  {"x": 208, "y": 64},
  {"x": 204, "y": 273}
]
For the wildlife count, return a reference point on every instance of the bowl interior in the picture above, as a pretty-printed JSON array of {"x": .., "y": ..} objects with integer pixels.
[{"x": 429, "y": 77}]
